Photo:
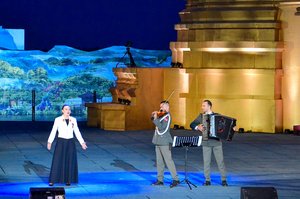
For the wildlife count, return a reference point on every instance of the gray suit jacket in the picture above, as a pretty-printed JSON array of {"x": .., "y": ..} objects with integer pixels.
[{"x": 162, "y": 135}]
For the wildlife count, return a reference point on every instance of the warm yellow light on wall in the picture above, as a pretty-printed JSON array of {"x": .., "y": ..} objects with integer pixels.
[
  {"x": 245, "y": 50},
  {"x": 290, "y": 64},
  {"x": 185, "y": 83},
  {"x": 258, "y": 50},
  {"x": 292, "y": 81},
  {"x": 216, "y": 49},
  {"x": 184, "y": 49}
]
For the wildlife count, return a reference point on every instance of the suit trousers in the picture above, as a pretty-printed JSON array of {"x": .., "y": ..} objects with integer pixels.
[
  {"x": 164, "y": 158},
  {"x": 215, "y": 147}
]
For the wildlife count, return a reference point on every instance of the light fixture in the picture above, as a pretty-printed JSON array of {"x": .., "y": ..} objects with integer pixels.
[{"x": 298, "y": 11}]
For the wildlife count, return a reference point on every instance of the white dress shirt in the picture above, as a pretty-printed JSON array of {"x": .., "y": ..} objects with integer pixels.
[{"x": 65, "y": 131}]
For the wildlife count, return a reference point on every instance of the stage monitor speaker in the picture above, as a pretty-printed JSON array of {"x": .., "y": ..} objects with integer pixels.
[
  {"x": 258, "y": 193},
  {"x": 47, "y": 193}
]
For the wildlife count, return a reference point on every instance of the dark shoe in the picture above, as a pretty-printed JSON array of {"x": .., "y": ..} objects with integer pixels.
[
  {"x": 174, "y": 183},
  {"x": 51, "y": 184},
  {"x": 224, "y": 183},
  {"x": 68, "y": 184},
  {"x": 206, "y": 183},
  {"x": 158, "y": 183}
]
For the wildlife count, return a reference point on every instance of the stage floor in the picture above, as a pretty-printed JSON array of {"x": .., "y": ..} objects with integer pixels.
[{"x": 122, "y": 164}]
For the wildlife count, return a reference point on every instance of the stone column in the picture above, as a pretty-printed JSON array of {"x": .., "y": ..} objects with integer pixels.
[{"x": 290, "y": 64}]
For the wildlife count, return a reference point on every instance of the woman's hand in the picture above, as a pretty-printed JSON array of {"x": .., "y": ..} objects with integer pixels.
[
  {"x": 84, "y": 146},
  {"x": 49, "y": 146}
]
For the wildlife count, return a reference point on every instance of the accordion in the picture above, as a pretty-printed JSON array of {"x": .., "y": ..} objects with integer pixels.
[{"x": 218, "y": 126}]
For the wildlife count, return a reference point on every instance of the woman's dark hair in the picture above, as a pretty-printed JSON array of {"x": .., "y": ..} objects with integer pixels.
[
  {"x": 64, "y": 106},
  {"x": 208, "y": 102}
]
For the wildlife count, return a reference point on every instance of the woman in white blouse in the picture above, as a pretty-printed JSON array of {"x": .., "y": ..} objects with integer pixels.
[{"x": 64, "y": 167}]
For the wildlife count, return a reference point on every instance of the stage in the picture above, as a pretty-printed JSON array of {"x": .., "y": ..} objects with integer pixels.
[{"x": 122, "y": 164}]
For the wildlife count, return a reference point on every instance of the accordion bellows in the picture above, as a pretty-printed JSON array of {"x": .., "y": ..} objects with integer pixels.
[{"x": 219, "y": 125}]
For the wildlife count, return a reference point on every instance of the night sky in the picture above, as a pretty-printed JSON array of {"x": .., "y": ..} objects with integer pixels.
[{"x": 93, "y": 24}]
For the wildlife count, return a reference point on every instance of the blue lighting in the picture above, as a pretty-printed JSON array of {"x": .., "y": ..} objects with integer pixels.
[
  {"x": 137, "y": 185},
  {"x": 104, "y": 184},
  {"x": 91, "y": 184}
]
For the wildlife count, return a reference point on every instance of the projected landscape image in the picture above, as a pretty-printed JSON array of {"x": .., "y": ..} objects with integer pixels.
[{"x": 63, "y": 75}]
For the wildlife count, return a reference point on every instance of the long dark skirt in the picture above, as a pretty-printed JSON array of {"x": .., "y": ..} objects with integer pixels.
[{"x": 64, "y": 167}]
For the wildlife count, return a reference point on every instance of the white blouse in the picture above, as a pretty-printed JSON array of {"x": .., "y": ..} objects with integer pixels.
[{"x": 65, "y": 131}]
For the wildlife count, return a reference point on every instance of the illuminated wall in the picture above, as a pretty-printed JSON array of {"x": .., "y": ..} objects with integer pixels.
[
  {"x": 241, "y": 93},
  {"x": 291, "y": 64},
  {"x": 232, "y": 53}
]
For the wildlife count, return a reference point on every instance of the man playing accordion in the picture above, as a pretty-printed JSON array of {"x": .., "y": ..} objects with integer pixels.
[{"x": 210, "y": 142}]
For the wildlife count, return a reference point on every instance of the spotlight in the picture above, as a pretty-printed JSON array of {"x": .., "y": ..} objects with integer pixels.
[
  {"x": 296, "y": 129},
  {"x": 120, "y": 100},
  {"x": 287, "y": 131},
  {"x": 181, "y": 127},
  {"x": 179, "y": 65},
  {"x": 298, "y": 11},
  {"x": 176, "y": 65},
  {"x": 124, "y": 101},
  {"x": 127, "y": 102},
  {"x": 128, "y": 44},
  {"x": 241, "y": 130},
  {"x": 176, "y": 126}
]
